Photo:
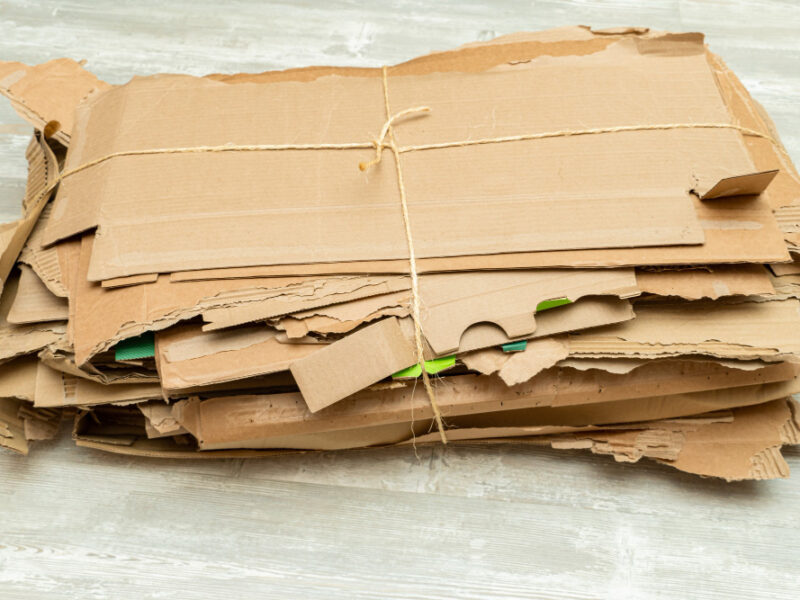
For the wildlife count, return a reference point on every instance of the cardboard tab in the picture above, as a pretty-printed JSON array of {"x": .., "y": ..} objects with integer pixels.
[
  {"x": 738, "y": 185},
  {"x": 367, "y": 356}
]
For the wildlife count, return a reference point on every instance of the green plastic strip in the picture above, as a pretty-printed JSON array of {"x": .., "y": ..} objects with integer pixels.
[
  {"x": 548, "y": 304},
  {"x": 515, "y": 346},
  {"x": 142, "y": 346},
  {"x": 437, "y": 365}
]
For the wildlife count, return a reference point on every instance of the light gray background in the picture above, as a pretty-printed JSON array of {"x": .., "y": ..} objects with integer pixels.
[{"x": 453, "y": 523}]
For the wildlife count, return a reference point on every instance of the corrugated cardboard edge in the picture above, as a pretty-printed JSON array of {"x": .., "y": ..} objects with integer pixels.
[{"x": 48, "y": 93}]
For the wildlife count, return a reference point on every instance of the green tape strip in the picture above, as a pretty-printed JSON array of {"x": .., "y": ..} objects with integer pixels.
[
  {"x": 142, "y": 346},
  {"x": 437, "y": 365},
  {"x": 548, "y": 304},
  {"x": 515, "y": 346}
]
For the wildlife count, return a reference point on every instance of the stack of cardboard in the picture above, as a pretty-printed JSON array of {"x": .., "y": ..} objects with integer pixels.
[{"x": 603, "y": 224}]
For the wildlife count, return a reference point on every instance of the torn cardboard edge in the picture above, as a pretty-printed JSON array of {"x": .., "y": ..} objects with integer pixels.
[
  {"x": 34, "y": 302},
  {"x": 752, "y": 437},
  {"x": 263, "y": 417}
]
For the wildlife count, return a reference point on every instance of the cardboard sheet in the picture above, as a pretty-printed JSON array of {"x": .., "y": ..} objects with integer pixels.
[
  {"x": 16, "y": 340},
  {"x": 31, "y": 92},
  {"x": 34, "y": 303},
  {"x": 45, "y": 261},
  {"x": 627, "y": 63},
  {"x": 706, "y": 282},
  {"x": 248, "y": 419},
  {"x": 18, "y": 378},
  {"x": 103, "y": 317},
  {"x": 186, "y": 357},
  {"x": 57, "y": 389},
  {"x": 42, "y": 169},
  {"x": 747, "y": 330}
]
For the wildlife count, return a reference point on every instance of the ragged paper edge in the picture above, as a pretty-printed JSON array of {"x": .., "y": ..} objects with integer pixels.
[{"x": 34, "y": 302}]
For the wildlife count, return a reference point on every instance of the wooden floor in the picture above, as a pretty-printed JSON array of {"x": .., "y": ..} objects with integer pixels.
[{"x": 476, "y": 523}]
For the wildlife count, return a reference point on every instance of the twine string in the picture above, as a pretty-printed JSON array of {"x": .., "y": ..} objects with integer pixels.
[{"x": 380, "y": 143}]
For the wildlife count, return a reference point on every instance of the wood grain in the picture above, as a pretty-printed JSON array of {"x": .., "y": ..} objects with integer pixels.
[{"x": 471, "y": 523}]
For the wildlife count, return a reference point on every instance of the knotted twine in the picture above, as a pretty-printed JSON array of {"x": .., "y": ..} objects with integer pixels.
[{"x": 386, "y": 140}]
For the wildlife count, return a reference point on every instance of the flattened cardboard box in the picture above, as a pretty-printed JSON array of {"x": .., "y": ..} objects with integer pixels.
[{"x": 480, "y": 217}]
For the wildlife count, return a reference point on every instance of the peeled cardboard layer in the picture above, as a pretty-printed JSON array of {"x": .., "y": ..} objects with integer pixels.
[
  {"x": 306, "y": 295},
  {"x": 706, "y": 282},
  {"x": 34, "y": 303},
  {"x": 747, "y": 330},
  {"x": 104, "y": 317},
  {"x": 57, "y": 389},
  {"x": 12, "y": 426},
  {"x": 749, "y": 448},
  {"x": 159, "y": 421},
  {"x": 240, "y": 421},
  {"x": 455, "y": 302},
  {"x": 42, "y": 170},
  {"x": 584, "y": 312},
  {"x": 18, "y": 378},
  {"x": 186, "y": 357},
  {"x": 16, "y": 340},
  {"x": 32, "y": 93},
  {"x": 45, "y": 262},
  {"x": 625, "y": 62},
  {"x": 743, "y": 443}
]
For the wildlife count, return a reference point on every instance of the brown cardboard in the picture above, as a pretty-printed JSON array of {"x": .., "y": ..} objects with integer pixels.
[
  {"x": 307, "y": 295},
  {"x": 104, "y": 317},
  {"x": 638, "y": 64},
  {"x": 372, "y": 353},
  {"x": 518, "y": 367},
  {"x": 42, "y": 170},
  {"x": 34, "y": 303},
  {"x": 249, "y": 418},
  {"x": 343, "y": 318},
  {"x": 159, "y": 421},
  {"x": 735, "y": 244},
  {"x": 44, "y": 261},
  {"x": 18, "y": 378},
  {"x": 16, "y": 340},
  {"x": 747, "y": 330},
  {"x": 454, "y": 302},
  {"x": 736, "y": 230},
  {"x": 57, "y": 389},
  {"x": 12, "y": 426},
  {"x": 706, "y": 282},
  {"x": 31, "y": 92},
  {"x": 193, "y": 418},
  {"x": 751, "y": 438},
  {"x": 748, "y": 448},
  {"x": 186, "y": 357}
]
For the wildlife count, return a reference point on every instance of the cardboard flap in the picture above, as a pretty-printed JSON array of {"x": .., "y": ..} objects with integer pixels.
[
  {"x": 454, "y": 303},
  {"x": 738, "y": 185},
  {"x": 48, "y": 93},
  {"x": 366, "y": 356},
  {"x": 34, "y": 303},
  {"x": 42, "y": 170}
]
